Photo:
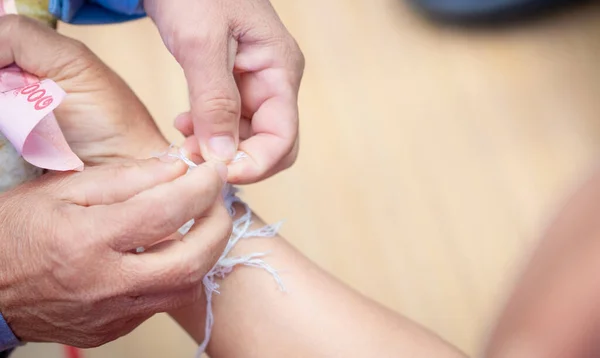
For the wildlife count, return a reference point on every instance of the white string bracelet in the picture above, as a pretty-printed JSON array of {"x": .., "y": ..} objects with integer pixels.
[{"x": 226, "y": 264}]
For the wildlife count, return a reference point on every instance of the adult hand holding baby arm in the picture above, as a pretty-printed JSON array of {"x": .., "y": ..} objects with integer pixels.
[
  {"x": 69, "y": 271},
  {"x": 244, "y": 71}
]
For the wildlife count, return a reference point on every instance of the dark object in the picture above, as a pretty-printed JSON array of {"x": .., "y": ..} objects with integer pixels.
[{"x": 485, "y": 10}]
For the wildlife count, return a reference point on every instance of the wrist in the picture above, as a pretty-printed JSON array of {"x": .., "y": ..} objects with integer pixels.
[{"x": 242, "y": 282}]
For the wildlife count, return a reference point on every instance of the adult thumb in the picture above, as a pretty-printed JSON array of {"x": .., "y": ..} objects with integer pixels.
[{"x": 214, "y": 96}]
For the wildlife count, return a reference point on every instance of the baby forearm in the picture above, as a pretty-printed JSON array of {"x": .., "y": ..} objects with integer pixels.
[{"x": 316, "y": 316}]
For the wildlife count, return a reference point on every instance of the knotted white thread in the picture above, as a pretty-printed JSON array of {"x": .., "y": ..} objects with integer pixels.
[{"x": 225, "y": 264}]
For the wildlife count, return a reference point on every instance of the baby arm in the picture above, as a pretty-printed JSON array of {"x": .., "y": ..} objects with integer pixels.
[{"x": 317, "y": 316}]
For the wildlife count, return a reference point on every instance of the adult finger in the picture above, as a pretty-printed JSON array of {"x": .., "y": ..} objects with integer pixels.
[
  {"x": 158, "y": 212},
  {"x": 166, "y": 301},
  {"x": 182, "y": 264},
  {"x": 206, "y": 55},
  {"x": 270, "y": 99},
  {"x": 192, "y": 149},
  {"x": 106, "y": 185},
  {"x": 275, "y": 128},
  {"x": 184, "y": 124}
]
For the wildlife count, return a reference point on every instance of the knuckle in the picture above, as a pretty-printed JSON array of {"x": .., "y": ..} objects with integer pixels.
[
  {"x": 131, "y": 273},
  {"x": 290, "y": 159},
  {"x": 138, "y": 230},
  {"x": 211, "y": 181},
  {"x": 128, "y": 227},
  {"x": 298, "y": 56},
  {"x": 189, "y": 271},
  {"x": 181, "y": 41},
  {"x": 79, "y": 48},
  {"x": 12, "y": 22},
  {"x": 161, "y": 216},
  {"x": 197, "y": 264},
  {"x": 131, "y": 170},
  {"x": 126, "y": 166},
  {"x": 291, "y": 144},
  {"x": 16, "y": 22},
  {"x": 123, "y": 238},
  {"x": 293, "y": 155},
  {"x": 221, "y": 107},
  {"x": 290, "y": 52},
  {"x": 121, "y": 230},
  {"x": 195, "y": 271},
  {"x": 81, "y": 58},
  {"x": 204, "y": 192}
]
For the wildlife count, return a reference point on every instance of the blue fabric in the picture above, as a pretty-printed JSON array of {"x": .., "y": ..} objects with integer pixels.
[
  {"x": 8, "y": 340},
  {"x": 92, "y": 12}
]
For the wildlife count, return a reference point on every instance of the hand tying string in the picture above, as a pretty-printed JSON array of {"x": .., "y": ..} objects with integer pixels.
[{"x": 226, "y": 264}]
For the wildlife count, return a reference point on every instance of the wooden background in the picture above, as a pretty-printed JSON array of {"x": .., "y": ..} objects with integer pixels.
[{"x": 431, "y": 156}]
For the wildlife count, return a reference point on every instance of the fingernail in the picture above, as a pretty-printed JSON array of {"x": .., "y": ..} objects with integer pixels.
[
  {"x": 222, "y": 147},
  {"x": 221, "y": 168}
]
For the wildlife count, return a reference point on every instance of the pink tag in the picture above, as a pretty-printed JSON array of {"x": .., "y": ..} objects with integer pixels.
[{"x": 27, "y": 121}]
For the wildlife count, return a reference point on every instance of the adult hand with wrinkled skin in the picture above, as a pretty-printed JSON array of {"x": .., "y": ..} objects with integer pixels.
[
  {"x": 69, "y": 273},
  {"x": 101, "y": 118},
  {"x": 244, "y": 71}
]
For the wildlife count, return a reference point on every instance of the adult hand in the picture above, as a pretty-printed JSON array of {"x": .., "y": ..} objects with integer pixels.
[
  {"x": 70, "y": 273},
  {"x": 243, "y": 70},
  {"x": 101, "y": 118}
]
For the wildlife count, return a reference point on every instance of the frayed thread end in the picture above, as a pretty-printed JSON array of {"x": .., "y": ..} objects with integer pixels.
[{"x": 225, "y": 264}]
